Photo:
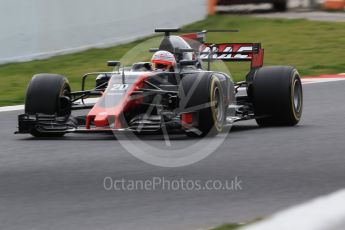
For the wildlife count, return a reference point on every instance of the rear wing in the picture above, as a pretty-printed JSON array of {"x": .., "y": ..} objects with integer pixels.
[
  {"x": 233, "y": 52},
  {"x": 229, "y": 52}
]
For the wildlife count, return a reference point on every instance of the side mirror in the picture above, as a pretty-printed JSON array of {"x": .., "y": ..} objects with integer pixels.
[
  {"x": 113, "y": 63},
  {"x": 153, "y": 50}
]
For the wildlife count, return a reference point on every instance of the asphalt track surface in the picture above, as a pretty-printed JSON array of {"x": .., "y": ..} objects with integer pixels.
[{"x": 58, "y": 184}]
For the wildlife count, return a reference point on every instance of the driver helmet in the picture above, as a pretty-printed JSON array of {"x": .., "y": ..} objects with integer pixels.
[{"x": 163, "y": 60}]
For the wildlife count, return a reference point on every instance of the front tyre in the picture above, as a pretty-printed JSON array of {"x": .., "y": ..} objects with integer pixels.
[
  {"x": 204, "y": 93},
  {"x": 48, "y": 94},
  {"x": 277, "y": 96}
]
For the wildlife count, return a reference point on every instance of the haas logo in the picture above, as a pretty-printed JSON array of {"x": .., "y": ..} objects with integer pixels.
[{"x": 226, "y": 52}]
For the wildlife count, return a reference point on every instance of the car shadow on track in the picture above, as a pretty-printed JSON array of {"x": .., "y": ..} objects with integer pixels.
[
  {"x": 143, "y": 137},
  {"x": 242, "y": 128}
]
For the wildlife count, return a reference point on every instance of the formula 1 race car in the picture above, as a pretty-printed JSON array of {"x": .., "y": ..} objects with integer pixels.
[{"x": 189, "y": 97}]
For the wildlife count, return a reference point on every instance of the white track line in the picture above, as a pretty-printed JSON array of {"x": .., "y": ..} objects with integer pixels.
[
  {"x": 21, "y": 107},
  {"x": 11, "y": 108},
  {"x": 93, "y": 100},
  {"x": 323, "y": 213},
  {"x": 320, "y": 80}
]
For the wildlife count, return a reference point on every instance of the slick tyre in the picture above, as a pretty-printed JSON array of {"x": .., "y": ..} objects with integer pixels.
[
  {"x": 48, "y": 94},
  {"x": 277, "y": 96},
  {"x": 203, "y": 95}
]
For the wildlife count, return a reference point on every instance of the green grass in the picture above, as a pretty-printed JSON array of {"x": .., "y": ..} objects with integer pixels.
[
  {"x": 228, "y": 227},
  {"x": 312, "y": 47},
  {"x": 235, "y": 226}
]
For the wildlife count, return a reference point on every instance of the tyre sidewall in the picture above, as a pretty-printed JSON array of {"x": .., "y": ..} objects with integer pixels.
[{"x": 273, "y": 95}]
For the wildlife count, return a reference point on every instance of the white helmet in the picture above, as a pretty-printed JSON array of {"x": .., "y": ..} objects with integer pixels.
[{"x": 163, "y": 60}]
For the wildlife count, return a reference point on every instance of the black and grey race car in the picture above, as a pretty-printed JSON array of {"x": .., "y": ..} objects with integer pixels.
[{"x": 192, "y": 98}]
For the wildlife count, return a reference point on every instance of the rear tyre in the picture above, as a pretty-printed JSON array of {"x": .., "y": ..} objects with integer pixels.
[
  {"x": 48, "y": 94},
  {"x": 206, "y": 100},
  {"x": 277, "y": 96}
]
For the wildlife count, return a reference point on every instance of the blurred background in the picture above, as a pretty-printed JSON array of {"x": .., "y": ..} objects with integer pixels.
[{"x": 39, "y": 28}]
